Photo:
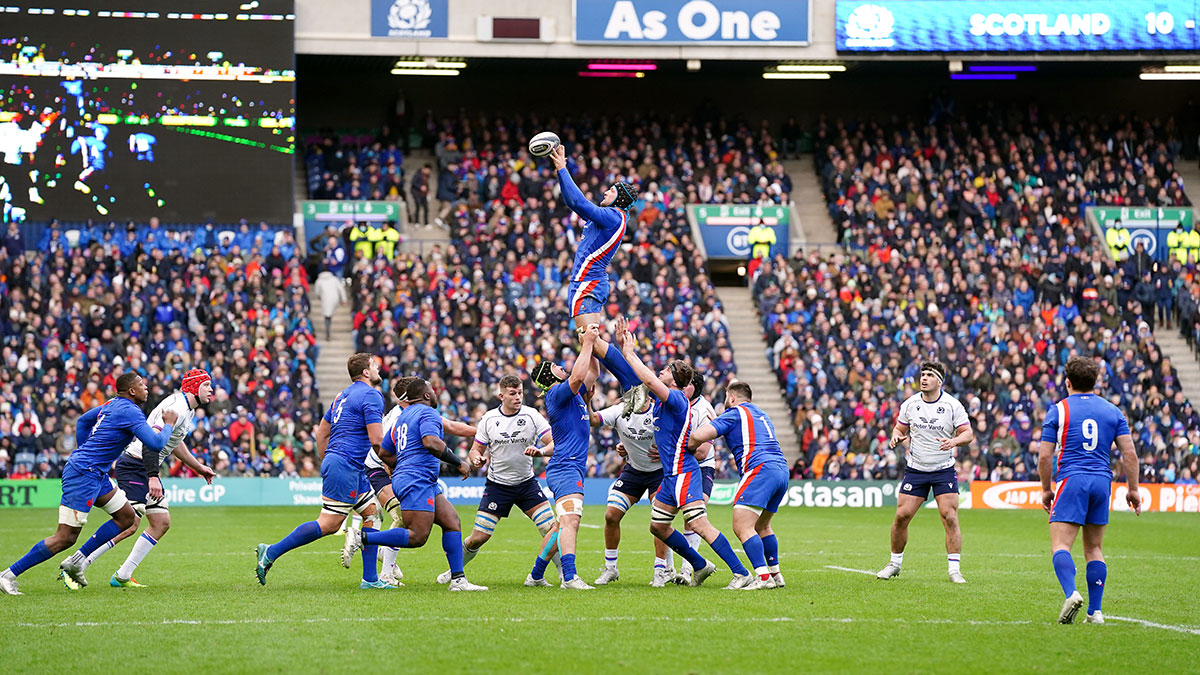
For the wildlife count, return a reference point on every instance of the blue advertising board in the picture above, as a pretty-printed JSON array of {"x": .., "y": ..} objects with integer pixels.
[
  {"x": 725, "y": 228},
  {"x": 1016, "y": 25},
  {"x": 414, "y": 19},
  {"x": 676, "y": 22}
]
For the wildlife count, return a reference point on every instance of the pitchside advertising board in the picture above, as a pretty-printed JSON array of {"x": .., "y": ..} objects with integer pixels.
[
  {"x": 1149, "y": 225},
  {"x": 687, "y": 22},
  {"x": 1028, "y": 495},
  {"x": 1016, "y": 25},
  {"x": 725, "y": 228}
]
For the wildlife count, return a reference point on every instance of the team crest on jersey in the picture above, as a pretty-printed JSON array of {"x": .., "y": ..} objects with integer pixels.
[
  {"x": 492, "y": 506},
  {"x": 619, "y": 483},
  {"x": 908, "y": 486},
  {"x": 521, "y": 422},
  {"x": 941, "y": 410}
]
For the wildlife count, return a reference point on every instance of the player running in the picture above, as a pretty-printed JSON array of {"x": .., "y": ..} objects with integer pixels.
[
  {"x": 351, "y": 427},
  {"x": 1083, "y": 428},
  {"x": 642, "y": 474},
  {"x": 751, "y": 437},
  {"x": 681, "y": 488},
  {"x": 380, "y": 476},
  {"x": 147, "y": 495},
  {"x": 102, "y": 433},
  {"x": 935, "y": 423},
  {"x": 413, "y": 449},
  {"x": 603, "y": 229},
  {"x": 507, "y": 439},
  {"x": 569, "y": 428}
]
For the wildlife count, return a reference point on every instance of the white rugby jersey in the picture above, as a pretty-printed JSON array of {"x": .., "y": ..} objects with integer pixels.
[
  {"x": 702, "y": 411},
  {"x": 928, "y": 422},
  {"x": 506, "y": 437},
  {"x": 183, "y": 426},
  {"x": 636, "y": 433},
  {"x": 389, "y": 420}
]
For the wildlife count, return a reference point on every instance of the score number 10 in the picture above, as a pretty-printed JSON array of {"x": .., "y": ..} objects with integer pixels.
[{"x": 1159, "y": 22}]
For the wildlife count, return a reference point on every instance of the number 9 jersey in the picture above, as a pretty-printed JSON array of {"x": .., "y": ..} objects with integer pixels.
[{"x": 1083, "y": 427}]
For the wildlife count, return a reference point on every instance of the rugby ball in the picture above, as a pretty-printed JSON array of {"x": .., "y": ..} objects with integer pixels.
[{"x": 543, "y": 144}]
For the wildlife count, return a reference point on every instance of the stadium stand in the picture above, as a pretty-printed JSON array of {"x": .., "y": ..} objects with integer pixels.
[
  {"x": 965, "y": 239},
  {"x": 96, "y": 300}
]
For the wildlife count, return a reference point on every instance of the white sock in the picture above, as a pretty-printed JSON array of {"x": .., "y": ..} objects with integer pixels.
[
  {"x": 670, "y": 559},
  {"x": 104, "y": 548},
  {"x": 953, "y": 560},
  {"x": 660, "y": 562},
  {"x": 557, "y": 560},
  {"x": 898, "y": 558},
  {"x": 469, "y": 555},
  {"x": 356, "y": 521},
  {"x": 610, "y": 558},
  {"x": 773, "y": 569},
  {"x": 141, "y": 548},
  {"x": 762, "y": 572},
  {"x": 8, "y": 573},
  {"x": 389, "y": 558},
  {"x": 693, "y": 540}
]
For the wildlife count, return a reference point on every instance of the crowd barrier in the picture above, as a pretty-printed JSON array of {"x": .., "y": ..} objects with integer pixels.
[{"x": 813, "y": 493}]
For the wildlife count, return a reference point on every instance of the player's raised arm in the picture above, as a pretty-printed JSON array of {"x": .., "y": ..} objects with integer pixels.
[
  {"x": 647, "y": 376},
  {"x": 705, "y": 434},
  {"x": 573, "y": 196},
  {"x": 583, "y": 364},
  {"x": 456, "y": 428},
  {"x": 1129, "y": 463}
]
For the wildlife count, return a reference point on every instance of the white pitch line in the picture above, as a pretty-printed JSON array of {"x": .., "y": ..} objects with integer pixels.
[
  {"x": 849, "y": 569},
  {"x": 515, "y": 619},
  {"x": 1151, "y": 624}
]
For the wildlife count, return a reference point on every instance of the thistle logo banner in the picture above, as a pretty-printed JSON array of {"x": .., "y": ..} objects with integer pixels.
[{"x": 412, "y": 19}]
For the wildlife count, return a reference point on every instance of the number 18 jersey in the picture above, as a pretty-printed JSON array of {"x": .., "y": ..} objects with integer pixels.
[{"x": 1083, "y": 428}]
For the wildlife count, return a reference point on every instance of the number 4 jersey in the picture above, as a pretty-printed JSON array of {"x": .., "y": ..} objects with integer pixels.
[{"x": 1083, "y": 428}]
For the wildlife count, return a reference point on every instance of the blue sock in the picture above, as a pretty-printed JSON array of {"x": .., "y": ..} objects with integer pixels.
[
  {"x": 543, "y": 559},
  {"x": 723, "y": 549},
  {"x": 568, "y": 567},
  {"x": 37, "y": 555},
  {"x": 397, "y": 537},
  {"x": 370, "y": 556},
  {"x": 452, "y": 545},
  {"x": 307, "y": 533},
  {"x": 103, "y": 534},
  {"x": 539, "y": 568},
  {"x": 616, "y": 364},
  {"x": 1097, "y": 574},
  {"x": 1064, "y": 567},
  {"x": 678, "y": 543},
  {"x": 771, "y": 550},
  {"x": 754, "y": 552}
]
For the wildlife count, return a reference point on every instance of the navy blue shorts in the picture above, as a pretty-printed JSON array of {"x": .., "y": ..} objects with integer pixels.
[
  {"x": 637, "y": 483},
  {"x": 131, "y": 477},
  {"x": 919, "y": 483},
  {"x": 378, "y": 479},
  {"x": 707, "y": 473},
  {"x": 499, "y": 498}
]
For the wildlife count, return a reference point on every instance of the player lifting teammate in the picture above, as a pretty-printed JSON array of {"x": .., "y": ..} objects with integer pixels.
[
  {"x": 102, "y": 434},
  {"x": 351, "y": 428},
  {"x": 1083, "y": 428},
  {"x": 751, "y": 437},
  {"x": 681, "y": 488},
  {"x": 146, "y": 493},
  {"x": 935, "y": 423}
]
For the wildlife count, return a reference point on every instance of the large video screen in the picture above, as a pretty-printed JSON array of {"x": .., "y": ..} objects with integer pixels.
[
  {"x": 1017, "y": 25},
  {"x": 127, "y": 109}
]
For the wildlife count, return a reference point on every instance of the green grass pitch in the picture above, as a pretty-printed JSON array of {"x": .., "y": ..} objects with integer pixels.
[{"x": 204, "y": 611}]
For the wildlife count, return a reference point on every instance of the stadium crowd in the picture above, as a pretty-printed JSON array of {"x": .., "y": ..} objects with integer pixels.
[
  {"x": 966, "y": 242},
  {"x": 99, "y": 300}
]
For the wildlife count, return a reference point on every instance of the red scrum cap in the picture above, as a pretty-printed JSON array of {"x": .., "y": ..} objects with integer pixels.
[{"x": 192, "y": 380}]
